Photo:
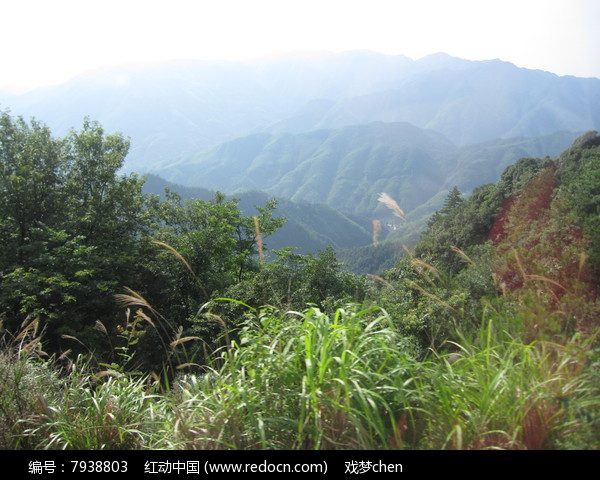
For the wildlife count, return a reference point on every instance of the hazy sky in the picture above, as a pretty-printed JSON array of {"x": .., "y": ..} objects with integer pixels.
[{"x": 49, "y": 41}]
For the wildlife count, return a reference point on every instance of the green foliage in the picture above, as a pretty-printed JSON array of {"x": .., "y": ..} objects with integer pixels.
[
  {"x": 459, "y": 224},
  {"x": 56, "y": 277},
  {"x": 464, "y": 223},
  {"x": 309, "y": 227},
  {"x": 32, "y": 169},
  {"x": 464, "y": 343},
  {"x": 93, "y": 415},
  {"x": 69, "y": 225},
  {"x": 428, "y": 304},
  {"x": 499, "y": 393},
  {"x": 348, "y": 380},
  {"x": 301, "y": 380},
  {"x": 200, "y": 250},
  {"x": 579, "y": 177},
  {"x": 291, "y": 281},
  {"x": 75, "y": 232},
  {"x": 25, "y": 384}
]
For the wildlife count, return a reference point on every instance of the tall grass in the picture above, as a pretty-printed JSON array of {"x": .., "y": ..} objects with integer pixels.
[
  {"x": 94, "y": 415},
  {"x": 27, "y": 379},
  {"x": 26, "y": 385},
  {"x": 502, "y": 393},
  {"x": 307, "y": 380},
  {"x": 303, "y": 380}
]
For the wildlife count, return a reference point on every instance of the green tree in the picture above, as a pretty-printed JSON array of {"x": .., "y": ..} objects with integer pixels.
[
  {"x": 578, "y": 179},
  {"x": 291, "y": 281},
  {"x": 70, "y": 227},
  {"x": 203, "y": 248},
  {"x": 103, "y": 205},
  {"x": 32, "y": 169},
  {"x": 443, "y": 231},
  {"x": 452, "y": 202}
]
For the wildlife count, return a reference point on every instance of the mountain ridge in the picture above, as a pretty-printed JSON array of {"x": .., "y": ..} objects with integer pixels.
[
  {"x": 347, "y": 167},
  {"x": 180, "y": 109},
  {"x": 308, "y": 227}
]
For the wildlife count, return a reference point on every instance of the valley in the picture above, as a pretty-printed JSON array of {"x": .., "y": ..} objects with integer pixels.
[
  {"x": 333, "y": 130},
  {"x": 327, "y": 252}
]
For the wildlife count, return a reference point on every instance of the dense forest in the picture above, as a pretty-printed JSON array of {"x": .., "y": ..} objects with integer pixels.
[{"x": 133, "y": 321}]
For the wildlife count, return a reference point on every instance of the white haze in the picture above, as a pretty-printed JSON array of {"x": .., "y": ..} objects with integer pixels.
[{"x": 47, "y": 42}]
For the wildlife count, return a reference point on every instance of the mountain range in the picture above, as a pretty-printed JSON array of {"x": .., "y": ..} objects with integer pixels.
[
  {"x": 326, "y": 133},
  {"x": 347, "y": 167},
  {"x": 309, "y": 226},
  {"x": 177, "y": 109}
]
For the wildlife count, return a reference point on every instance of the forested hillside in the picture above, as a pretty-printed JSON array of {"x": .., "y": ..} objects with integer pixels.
[
  {"x": 309, "y": 227},
  {"x": 133, "y": 321},
  {"x": 346, "y": 169},
  {"x": 325, "y": 134}
]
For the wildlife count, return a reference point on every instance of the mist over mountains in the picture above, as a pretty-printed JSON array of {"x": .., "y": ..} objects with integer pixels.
[
  {"x": 176, "y": 109},
  {"x": 327, "y": 129},
  {"x": 346, "y": 168}
]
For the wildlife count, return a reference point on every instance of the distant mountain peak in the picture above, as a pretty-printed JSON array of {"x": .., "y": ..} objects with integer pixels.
[{"x": 178, "y": 109}]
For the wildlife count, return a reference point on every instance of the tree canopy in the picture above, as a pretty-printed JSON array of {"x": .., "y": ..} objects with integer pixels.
[{"x": 75, "y": 232}]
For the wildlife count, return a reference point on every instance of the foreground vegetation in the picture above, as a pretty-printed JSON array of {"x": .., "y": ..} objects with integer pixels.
[
  {"x": 187, "y": 333},
  {"x": 317, "y": 381}
]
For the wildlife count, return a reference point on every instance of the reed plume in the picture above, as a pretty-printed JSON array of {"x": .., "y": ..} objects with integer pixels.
[
  {"x": 259, "y": 243},
  {"x": 392, "y": 205},
  {"x": 376, "y": 230}
]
